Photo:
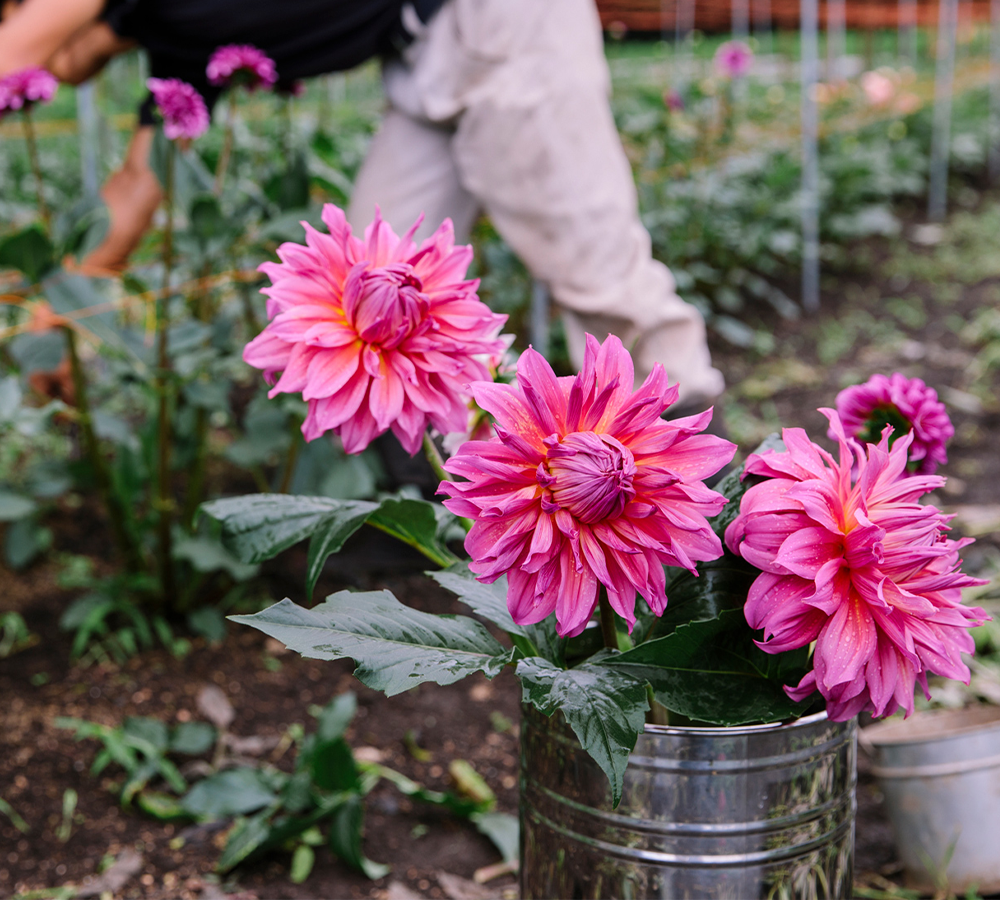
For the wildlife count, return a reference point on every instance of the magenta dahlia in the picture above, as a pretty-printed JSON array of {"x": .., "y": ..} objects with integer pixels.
[
  {"x": 585, "y": 485},
  {"x": 26, "y": 87},
  {"x": 908, "y": 405},
  {"x": 241, "y": 64},
  {"x": 733, "y": 59},
  {"x": 851, "y": 560},
  {"x": 182, "y": 107},
  {"x": 376, "y": 334}
]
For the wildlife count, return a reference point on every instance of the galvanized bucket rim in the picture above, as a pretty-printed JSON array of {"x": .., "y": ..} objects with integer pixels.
[
  {"x": 892, "y": 732},
  {"x": 730, "y": 730}
]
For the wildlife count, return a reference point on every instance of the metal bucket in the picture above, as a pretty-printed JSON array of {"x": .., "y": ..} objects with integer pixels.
[
  {"x": 761, "y": 811},
  {"x": 940, "y": 774}
]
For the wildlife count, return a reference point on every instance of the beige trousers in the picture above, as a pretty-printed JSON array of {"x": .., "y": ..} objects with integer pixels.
[{"x": 502, "y": 106}]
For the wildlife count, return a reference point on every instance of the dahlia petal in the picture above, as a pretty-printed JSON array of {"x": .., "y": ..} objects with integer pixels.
[{"x": 846, "y": 642}]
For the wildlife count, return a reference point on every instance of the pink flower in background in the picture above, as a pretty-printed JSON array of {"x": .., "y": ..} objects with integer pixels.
[
  {"x": 857, "y": 564},
  {"x": 376, "y": 334},
  {"x": 673, "y": 100},
  {"x": 241, "y": 64},
  {"x": 182, "y": 107},
  {"x": 586, "y": 485},
  {"x": 879, "y": 88},
  {"x": 908, "y": 405},
  {"x": 733, "y": 59},
  {"x": 26, "y": 87}
]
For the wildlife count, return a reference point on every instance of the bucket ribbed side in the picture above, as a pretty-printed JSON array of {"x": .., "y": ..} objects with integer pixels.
[{"x": 764, "y": 811}]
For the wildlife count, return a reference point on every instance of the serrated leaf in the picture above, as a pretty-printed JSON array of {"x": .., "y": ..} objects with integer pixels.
[
  {"x": 395, "y": 647},
  {"x": 487, "y": 600},
  {"x": 259, "y": 526},
  {"x": 606, "y": 714},
  {"x": 713, "y": 672},
  {"x": 330, "y": 536},
  {"x": 248, "y": 836},
  {"x": 414, "y": 522}
]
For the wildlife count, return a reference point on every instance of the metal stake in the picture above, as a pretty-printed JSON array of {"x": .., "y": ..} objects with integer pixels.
[
  {"x": 944, "y": 79},
  {"x": 908, "y": 31},
  {"x": 86, "y": 118},
  {"x": 836, "y": 39},
  {"x": 809, "y": 14},
  {"x": 539, "y": 325},
  {"x": 994, "y": 129}
]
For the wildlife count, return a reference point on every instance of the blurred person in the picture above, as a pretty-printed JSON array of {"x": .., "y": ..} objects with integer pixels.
[{"x": 495, "y": 106}]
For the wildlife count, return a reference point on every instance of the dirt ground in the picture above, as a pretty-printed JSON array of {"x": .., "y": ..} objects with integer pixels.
[{"x": 929, "y": 315}]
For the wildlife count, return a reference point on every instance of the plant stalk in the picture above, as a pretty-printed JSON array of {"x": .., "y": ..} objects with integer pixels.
[
  {"x": 127, "y": 546},
  {"x": 165, "y": 502},
  {"x": 227, "y": 145},
  {"x": 29, "y": 137},
  {"x": 434, "y": 458},
  {"x": 293, "y": 458},
  {"x": 609, "y": 630}
]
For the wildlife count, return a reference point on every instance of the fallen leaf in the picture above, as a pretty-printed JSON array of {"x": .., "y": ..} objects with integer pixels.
[
  {"x": 462, "y": 889},
  {"x": 122, "y": 870},
  {"x": 215, "y": 706},
  {"x": 399, "y": 891}
]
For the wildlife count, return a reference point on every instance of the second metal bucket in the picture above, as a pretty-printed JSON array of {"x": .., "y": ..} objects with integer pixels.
[
  {"x": 749, "y": 812},
  {"x": 940, "y": 774}
]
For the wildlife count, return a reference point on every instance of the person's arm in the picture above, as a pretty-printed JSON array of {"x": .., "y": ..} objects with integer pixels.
[
  {"x": 86, "y": 53},
  {"x": 31, "y": 33}
]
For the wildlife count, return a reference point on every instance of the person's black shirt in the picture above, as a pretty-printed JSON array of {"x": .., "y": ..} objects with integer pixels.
[{"x": 303, "y": 37}]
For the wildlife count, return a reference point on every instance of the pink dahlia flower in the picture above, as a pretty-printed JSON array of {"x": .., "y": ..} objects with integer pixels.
[
  {"x": 375, "y": 334},
  {"x": 586, "y": 485},
  {"x": 673, "y": 100},
  {"x": 182, "y": 107},
  {"x": 26, "y": 87},
  {"x": 908, "y": 405},
  {"x": 851, "y": 560},
  {"x": 241, "y": 64},
  {"x": 733, "y": 59}
]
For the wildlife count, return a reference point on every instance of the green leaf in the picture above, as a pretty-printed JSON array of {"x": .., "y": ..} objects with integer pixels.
[
  {"x": 336, "y": 717},
  {"x": 148, "y": 730},
  {"x": 503, "y": 830},
  {"x": 346, "y": 826},
  {"x": 302, "y": 863},
  {"x": 209, "y": 623},
  {"x": 15, "y": 506},
  {"x": 192, "y": 738},
  {"x": 331, "y": 535},
  {"x": 248, "y": 836},
  {"x": 396, "y": 647},
  {"x": 259, "y": 526},
  {"x": 487, "y": 600},
  {"x": 24, "y": 541},
  {"x": 606, "y": 713},
  {"x": 29, "y": 251},
  {"x": 207, "y": 555},
  {"x": 160, "y": 806},
  {"x": 414, "y": 522},
  {"x": 229, "y": 793},
  {"x": 333, "y": 767},
  {"x": 713, "y": 672}
]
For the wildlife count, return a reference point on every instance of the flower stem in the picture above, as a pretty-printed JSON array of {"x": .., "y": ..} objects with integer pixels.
[
  {"x": 227, "y": 145},
  {"x": 165, "y": 501},
  {"x": 29, "y": 137},
  {"x": 293, "y": 458},
  {"x": 434, "y": 458},
  {"x": 116, "y": 513},
  {"x": 609, "y": 630}
]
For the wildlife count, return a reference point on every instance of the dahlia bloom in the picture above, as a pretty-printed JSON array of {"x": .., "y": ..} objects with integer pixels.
[
  {"x": 879, "y": 87},
  {"x": 586, "y": 485},
  {"x": 375, "y": 334},
  {"x": 26, "y": 87},
  {"x": 733, "y": 59},
  {"x": 241, "y": 64},
  {"x": 673, "y": 100},
  {"x": 182, "y": 107},
  {"x": 908, "y": 405},
  {"x": 851, "y": 560}
]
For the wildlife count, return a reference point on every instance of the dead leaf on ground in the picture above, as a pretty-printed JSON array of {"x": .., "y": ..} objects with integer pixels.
[
  {"x": 215, "y": 706},
  {"x": 251, "y": 745},
  {"x": 462, "y": 889},
  {"x": 399, "y": 891},
  {"x": 122, "y": 870}
]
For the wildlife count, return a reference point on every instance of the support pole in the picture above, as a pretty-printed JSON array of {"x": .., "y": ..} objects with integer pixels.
[
  {"x": 908, "y": 31},
  {"x": 762, "y": 24},
  {"x": 741, "y": 19},
  {"x": 944, "y": 82},
  {"x": 994, "y": 129},
  {"x": 810, "y": 154},
  {"x": 86, "y": 118},
  {"x": 836, "y": 39},
  {"x": 539, "y": 326}
]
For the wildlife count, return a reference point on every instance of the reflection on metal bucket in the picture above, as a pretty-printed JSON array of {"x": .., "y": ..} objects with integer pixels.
[
  {"x": 940, "y": 773},
  {"x": 752, "y": 812}
]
